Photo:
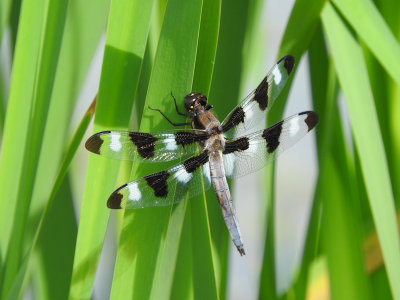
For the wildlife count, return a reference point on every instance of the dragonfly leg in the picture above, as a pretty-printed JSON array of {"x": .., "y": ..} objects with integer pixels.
[
  {"x": 172, "y": 123},
  {"x": 176, "y": 106}
]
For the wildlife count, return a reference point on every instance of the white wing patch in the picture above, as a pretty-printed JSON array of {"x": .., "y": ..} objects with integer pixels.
[
  {"x": 277, "y": 75},
  {"x": 134, "y": 192},
  {"x": 295, "y": 126},
  {"x": 206, "y": 172},
  {"x": 229, "y": 164},
  {"x": 115, "y": 144},
  {"x": 249, "y": 111},
  {"x": 170, "y": 143},
  {"x": 183, "y": 176},
  {"x": 254, "y": 147}
]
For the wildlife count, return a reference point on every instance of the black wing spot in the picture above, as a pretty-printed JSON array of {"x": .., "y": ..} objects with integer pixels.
[
  {"x": 311, "y": 120},
  {"x": 288, "y": 64},
  {"x": 158, "y": 182},
  {"x": 271, "y": 136},
  {"x": 236, "y": 145},
  {"x": 185, "y": 138},
  {"x": 114, "y": 201},
  {"x": 191, "y": 164},
  {"x": 261, "y": 94},
  {"x": 144, "y": 142},
  {"x": 93, "y": 144},
  {"x": 237, "y": 117}
]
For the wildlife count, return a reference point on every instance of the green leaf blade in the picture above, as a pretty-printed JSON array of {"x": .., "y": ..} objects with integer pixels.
[
  {"x": 121, "y": 69},
  {"x": 141, "y": 256},
  {"x": 348, "y": 60},
  {"x": 50, "y": 44},
  {"x": 369, "y": 24}
]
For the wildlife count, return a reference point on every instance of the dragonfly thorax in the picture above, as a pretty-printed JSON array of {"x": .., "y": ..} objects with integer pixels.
[{"x": 215, "y": 143}]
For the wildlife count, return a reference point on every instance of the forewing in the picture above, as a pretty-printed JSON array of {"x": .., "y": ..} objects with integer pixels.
[
  {"x": 151, "y": 147},
  {"x": 250, "y": 153},
  {"x": 184, "y": 180},
  {"x": 255, "y": 106}
]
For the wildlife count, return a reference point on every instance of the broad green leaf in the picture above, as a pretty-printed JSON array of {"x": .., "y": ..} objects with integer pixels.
[
  {"x": 300, "y": 28},
  {"x": 348, "y": 61},
  {"x": 143, "y": 238},
  {"x": 342, "y": 235},
  {"x": 371, "y": 27},
  {"x": 56, "y": 245},
  {"x": 60, "y": 212},
  {"x": 164, "y": 274},
  {"x": 126, "y": 38},
  {"x": 18, "y": 113},
  {"x": 183, "y": 278},
  {"x": 81, "y": 38},
  {"x": 49, "y": 49},
  {"x": 58, "y": 217}
]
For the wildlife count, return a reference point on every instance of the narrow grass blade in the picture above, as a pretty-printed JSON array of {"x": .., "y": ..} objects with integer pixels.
[
  {"x": 348, "y": 60},
  {"x": 371, "y": 27},
  {"x": 183, "y": 278},
  {"x": 16, "y": 8},
  {"x": 324, "y": 93},
  {"x": 389, "y": 11},
  {"x": 5, "y": 8},
  {"x": 302, "y": 23},
  {"x": 141, "y": 252},
  {"x": 126, "y": 38},
  {"x": 386, "y": 92},
  {"x": 52, "y": 33},
  {"x": 2, "y": 105},
  {"x": 207, "y": 46}
]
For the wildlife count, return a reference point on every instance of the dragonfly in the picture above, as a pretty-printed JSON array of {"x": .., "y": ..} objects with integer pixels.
[{"x": 209, "y": 153}]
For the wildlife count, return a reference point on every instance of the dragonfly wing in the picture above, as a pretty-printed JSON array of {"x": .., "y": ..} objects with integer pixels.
[
  {"x": 184, "y": 180},
  {"x": 151, "y": 147},
  {"x": 252, "y": 152},
  {"x": 255, "y": 106}
]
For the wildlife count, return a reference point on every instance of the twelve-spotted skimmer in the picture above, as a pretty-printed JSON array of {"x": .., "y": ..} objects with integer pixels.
[{"x": 226, "y": 149}]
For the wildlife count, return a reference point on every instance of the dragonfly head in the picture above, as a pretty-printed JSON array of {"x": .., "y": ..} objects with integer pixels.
[{"x": 193, "y": 100}]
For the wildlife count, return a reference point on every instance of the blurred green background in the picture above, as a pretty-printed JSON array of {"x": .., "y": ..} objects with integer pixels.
[{"x": 320, "y": 223}]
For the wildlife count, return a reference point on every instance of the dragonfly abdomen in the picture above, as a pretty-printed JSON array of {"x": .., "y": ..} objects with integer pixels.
[{"x": 218, "y": 179}]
